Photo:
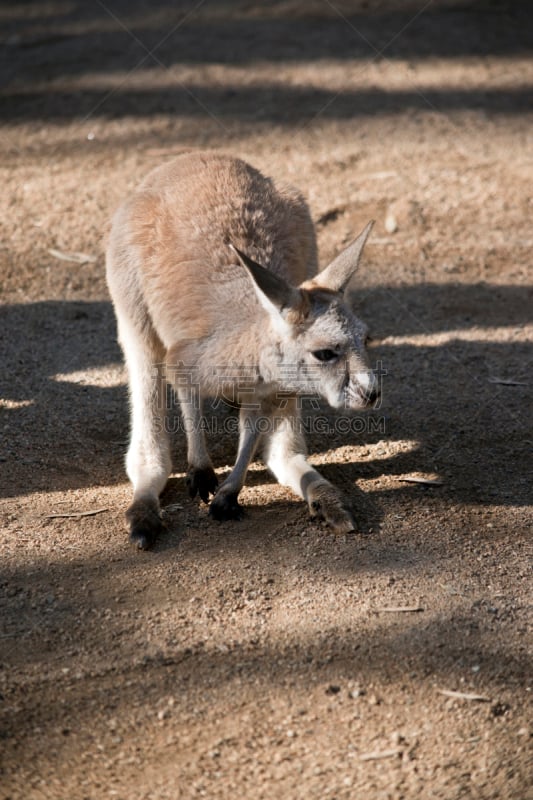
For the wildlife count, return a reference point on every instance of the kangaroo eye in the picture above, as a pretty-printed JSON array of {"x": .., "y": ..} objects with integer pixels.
[{"x": 325, "y": 355}]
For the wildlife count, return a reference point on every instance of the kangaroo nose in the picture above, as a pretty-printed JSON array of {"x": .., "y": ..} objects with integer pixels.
[
  {"x": 372, "y": 391},
  {"x": 369, "y": 388},
  {"x": 373, "y": 395}
]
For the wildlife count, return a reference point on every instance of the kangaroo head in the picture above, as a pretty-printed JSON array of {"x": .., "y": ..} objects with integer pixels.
[{"x": 320, "y": 343}]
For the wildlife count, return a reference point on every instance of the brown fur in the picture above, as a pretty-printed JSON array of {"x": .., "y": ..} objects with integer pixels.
[{"x": 176, "y": 241}]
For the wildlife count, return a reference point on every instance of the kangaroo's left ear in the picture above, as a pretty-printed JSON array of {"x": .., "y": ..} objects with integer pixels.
[
  {"x": 336, "y": 275},
  {"x": 274, "y": 294}
]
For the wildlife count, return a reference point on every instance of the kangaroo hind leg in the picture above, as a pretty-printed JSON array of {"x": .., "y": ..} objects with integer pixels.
[{"x": 148, "y": 462}]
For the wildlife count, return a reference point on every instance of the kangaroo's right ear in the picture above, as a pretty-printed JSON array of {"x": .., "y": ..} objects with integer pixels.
[
  {"x": 336, "y": 276},
  {"x": 274, "y": 294}
]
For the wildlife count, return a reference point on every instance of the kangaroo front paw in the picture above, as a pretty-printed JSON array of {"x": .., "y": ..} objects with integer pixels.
[
  {"x": 325, "y": 502},
  {"x": 144, "y": 522},
  {"x": 225, "y": 506},
  {"x": 202, "y": 481}
]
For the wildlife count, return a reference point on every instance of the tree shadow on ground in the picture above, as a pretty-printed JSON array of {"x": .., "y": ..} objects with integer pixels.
[
  {"x": 273, "y": 103},
  {"x": 92, "y": 640},
  {"x": 40, "y": 621},
  {"x": 128, "y": 40},
  {"x": 439, "y": 397}
]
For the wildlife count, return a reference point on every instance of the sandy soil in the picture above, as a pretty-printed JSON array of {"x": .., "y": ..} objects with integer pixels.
[{"x": 262, "y": 659}]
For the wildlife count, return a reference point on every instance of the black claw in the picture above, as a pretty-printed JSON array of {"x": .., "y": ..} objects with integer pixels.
[
  {"x": 225, "y": 506},
  {"x": 145, "y": 523},
  {"x": 201, "y": 481},
  {"x": 142, "y": 540}
]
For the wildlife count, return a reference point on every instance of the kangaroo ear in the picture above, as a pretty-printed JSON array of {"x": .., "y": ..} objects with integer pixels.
[
  {"x": 336, "y": 275},
  {"x": 273, "y": 292}
]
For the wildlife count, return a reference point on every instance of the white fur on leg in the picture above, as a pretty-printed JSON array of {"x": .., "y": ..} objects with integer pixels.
[
  {"x": 286, "y": 457},
  {"x": 148, "y": 461},
  {"x": 285, "y": 451}
]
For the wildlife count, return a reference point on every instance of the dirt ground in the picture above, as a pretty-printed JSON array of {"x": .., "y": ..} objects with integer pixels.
[{"x": 265, "y": 658}]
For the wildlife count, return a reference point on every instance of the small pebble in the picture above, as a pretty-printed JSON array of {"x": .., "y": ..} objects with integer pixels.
[{"x": 391, "y": 224}]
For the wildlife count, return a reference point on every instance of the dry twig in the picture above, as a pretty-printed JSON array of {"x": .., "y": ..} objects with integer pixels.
[
  {"x": 77, "y": 514},
  {"x": 480, "y": 698},
  {"x": 423, "y": 481},
  {"x": 507, "y": 382},
  {"x": 377, "y": 754},
  {"x": 74, "y": 258},
  {"x": 167, "y": 151}
]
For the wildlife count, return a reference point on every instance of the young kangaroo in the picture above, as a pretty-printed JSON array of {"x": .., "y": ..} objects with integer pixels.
[{"x": 212, "y": 271}]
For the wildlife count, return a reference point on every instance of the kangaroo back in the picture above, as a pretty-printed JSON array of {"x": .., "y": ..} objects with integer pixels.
[{"x": 177, "y": 229}]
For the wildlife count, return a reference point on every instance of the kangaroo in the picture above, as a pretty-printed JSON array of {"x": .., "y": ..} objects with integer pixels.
[{"x": 212, "y": 269}]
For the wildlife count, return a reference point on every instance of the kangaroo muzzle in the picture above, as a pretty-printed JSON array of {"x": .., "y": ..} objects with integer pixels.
[{"x": 363, "y": 390}]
